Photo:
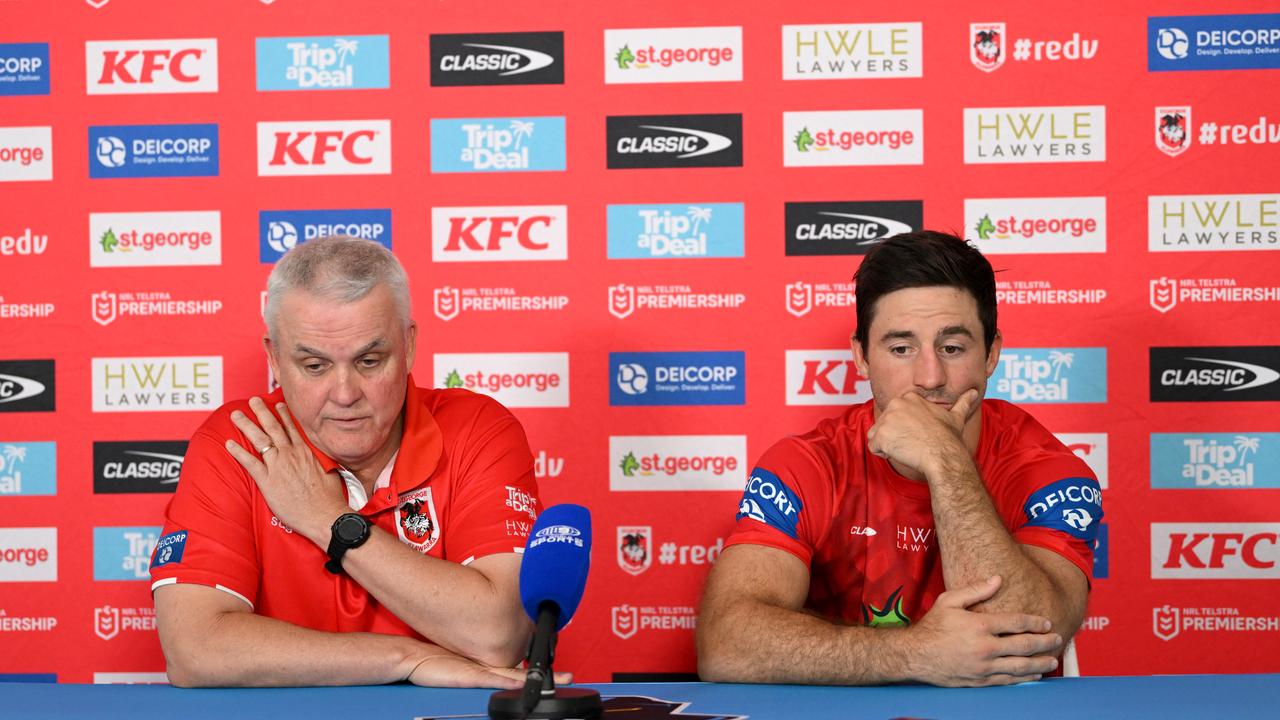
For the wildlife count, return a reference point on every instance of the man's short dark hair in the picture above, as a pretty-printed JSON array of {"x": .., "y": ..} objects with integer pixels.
[{"x": 924, "y": 259}]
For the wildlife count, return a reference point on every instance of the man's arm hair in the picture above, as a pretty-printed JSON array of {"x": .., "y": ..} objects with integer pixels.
[{"x": 974, "y": 544}]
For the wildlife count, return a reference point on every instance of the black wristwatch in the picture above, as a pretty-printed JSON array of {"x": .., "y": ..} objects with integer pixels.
[{"x": 348, "y": 532}]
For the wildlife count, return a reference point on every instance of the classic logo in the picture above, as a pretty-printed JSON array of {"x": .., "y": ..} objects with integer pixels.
[
  {"x": 1173, "y": 129},
  {"x": 345, "y": 62},
  {"x": 281, "y": 230},
  {"x": 526, "y": 58},
  {"x": 132, "y": 151},
  {"x": 155, "y": 239},
  {"x": 1037, "y": 225},
  {"x": 26, "y": 153},
  {"x": 325, "y": 147},
  {"x": 1200, "y": 374},
  {"x": 27, "y": 386},
  {"x": 625, "y": 620},
  {"x": 123, "y": 553},
  {"x": 677, "y": 231},
  {"x": 1213, "y": 42},
  {"x": 635, "y": 548},
  {"x": 673, "y": 141},
  {"x": 132, "y": 67},
  {"x": 494, "y": 234},
  {"x": 137, "y": 466},
  {"x": 1165, "y": 622},
  {"x": 1035, "y": 134},
  {"x": 24, "y": 243},
  {"x": 986, "y": 45},
  {"x": 1090, "y": 447},
  {"x": 1215, "y": 460},
  {"x": 507, "y": 144},
  {"x": 677, "y": 378},
  {"x": 28, "y": 554},
  {"x": 1197, "y": 223},
  {"x": 1050, "y": 375},
  {"x": 853, "y": 137},
  {"x": 24, "y": 68},
  {"x": 670, "y": 55},
  {"x": 824, "y": 377},
  {"x": 852, "y": 51},
  {"x": 848, "y": 228},
  {"x": 676, "y": 462},
  {"x": 513, "y": 379},
  {"x": 416, "y": 521},
  {"x": 28, "y": 468},
  {"x": 1219, "y": 551},
  {"x": 149, "y": 384}
]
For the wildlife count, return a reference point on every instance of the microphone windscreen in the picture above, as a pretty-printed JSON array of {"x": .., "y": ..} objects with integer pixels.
[{"x": 556, "y": 560}]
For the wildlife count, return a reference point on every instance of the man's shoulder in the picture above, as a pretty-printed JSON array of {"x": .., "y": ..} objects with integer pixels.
[
  {"x": 831, "y": 440},
  {"x": 218, "y": 424},
  {"x": 1014, "y": 438},
  {"x": 455, "y": 407}
]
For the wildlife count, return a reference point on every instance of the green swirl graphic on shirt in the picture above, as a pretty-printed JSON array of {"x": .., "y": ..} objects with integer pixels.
[{"x": 890, "y": 616}]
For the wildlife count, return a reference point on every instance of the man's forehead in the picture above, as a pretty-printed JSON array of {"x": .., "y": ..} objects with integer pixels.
[
  {"x": 311, "y": 323},
  {"x": 926, "y": 309}
]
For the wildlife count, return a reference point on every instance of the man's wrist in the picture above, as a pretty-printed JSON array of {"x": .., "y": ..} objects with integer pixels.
[{"x": 945, "y": 462}]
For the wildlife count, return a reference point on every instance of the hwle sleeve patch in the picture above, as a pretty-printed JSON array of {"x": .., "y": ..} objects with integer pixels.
[
  {"x": 1071, "y": 505},
  {"x": 768, "y": 500}
]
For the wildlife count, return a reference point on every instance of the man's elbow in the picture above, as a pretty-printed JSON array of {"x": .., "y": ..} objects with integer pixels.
[
  {"x": 715, "y": 652},
  {"x": 505, "y": 647}
]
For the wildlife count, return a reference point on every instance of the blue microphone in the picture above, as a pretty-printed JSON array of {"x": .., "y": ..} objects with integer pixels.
[{"x": 553, "y": 576}]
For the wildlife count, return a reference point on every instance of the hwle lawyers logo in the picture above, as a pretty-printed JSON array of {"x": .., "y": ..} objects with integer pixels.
[
  {"x": 1206, "y": 374},
  {"x": 670, "y": 55},
  {"x": 26, "y": 153},
  {"x": 1199, "y": 223},
  {"x": 150, "y": 384},
  {"x": 526, "y": 58},
  {"x": 674, "y": 141},
  {"x": 848, "y": 228},
  {"x": 27, "y": 386},
  {"x": 1035, "y": 134},
  {"x": 347, "y": 62},
  {"x": 131, "y": 67},
  {"x": 324, "y": 147},
  {"x": 853, "y": 51},
  {"x": 487, "y": 234}
]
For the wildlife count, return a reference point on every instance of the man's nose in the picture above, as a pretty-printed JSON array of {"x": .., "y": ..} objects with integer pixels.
[
  {"x": 346, "y": 387},
  {"x": 929, "y": 371}
]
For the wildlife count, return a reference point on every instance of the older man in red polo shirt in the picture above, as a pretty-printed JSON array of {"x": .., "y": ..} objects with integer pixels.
[{"x": 351, "y": 527}]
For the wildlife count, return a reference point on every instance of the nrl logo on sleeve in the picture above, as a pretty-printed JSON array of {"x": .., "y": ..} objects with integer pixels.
[
  {"x": 416, "y": 522},
  {"x": 1071, "y": 505},
  {"x": 768, "y": 500}
]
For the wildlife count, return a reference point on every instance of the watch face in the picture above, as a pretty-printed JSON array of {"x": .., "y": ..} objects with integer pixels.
[{"x": 351, "y": 528}]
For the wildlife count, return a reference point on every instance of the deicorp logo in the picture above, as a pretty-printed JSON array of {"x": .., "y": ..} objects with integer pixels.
[
  {"x": 853, "y": 137},
  {"x": 824, "y": 377},
  {"x": 865, "y": 50},
  {"x": 280, "y": 230},
  {"x": 507, "y": 144},
  {"x": 24, "y": 68},
  {"x": 513, "y": 379},
  {"x": 129, "y": 151},
  {"x": 528, "y": 58},
  {"x": 1219, "y": 551},
  {"x": 137, "y": 466},
  {"x": 485, "y": 234},
  {"x": 848, "y": 228},
  {"x": 326, "y": 147},
  {"x": 1198, "y": 374},
  {"x": 26, "y": 153},
  {"x": 27, "y": 386},
  {"x": 130, "y": 67},
  {"x": 155, "y": 239},
  {"x": 323, "y": 63},
  {"x": 666, "y": 55},
  {"x": 1035, "y": 134},
  {"x": 677, "y": 462},
  {"x": 1037, "y": 225},
  {"x": 674, "y": 141},
  {"x": 1213, "y": 42},
  {"x": 677, "y": 378}
]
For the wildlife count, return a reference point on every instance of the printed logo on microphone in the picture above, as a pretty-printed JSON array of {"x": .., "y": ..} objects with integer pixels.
[{"x": 557, "y": 535}]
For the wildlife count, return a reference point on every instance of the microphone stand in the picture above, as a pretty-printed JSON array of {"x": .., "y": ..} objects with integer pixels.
[{"x": 540, "y": 699}]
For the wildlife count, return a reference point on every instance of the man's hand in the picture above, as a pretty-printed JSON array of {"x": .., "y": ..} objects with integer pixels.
[
  {"x": 295, "y": 486},
  {"x": 437, "y": 667},
  {"x": 956, "y": 647},
  {"x": 914, "y": 432}
]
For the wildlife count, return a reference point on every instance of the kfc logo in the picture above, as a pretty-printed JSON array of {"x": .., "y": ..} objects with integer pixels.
[
  {"x": 360, "y": 147},
  {"x": 483, "y": 234},
  {"x": 634, "y": 548},
  {"x": 1215, "y": 550},
  {"x": 986, "y": 45},
  {"x": 824, "y": 377},
  {"x": 1173, "y": 129},
  {"x": 131, "y": 67}
]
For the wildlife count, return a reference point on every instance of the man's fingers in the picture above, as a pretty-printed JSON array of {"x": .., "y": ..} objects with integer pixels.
[
  {"x": 964, "y": 405},
  {"x": 564, "y": 678},
  {"x": 1012, "y": 623},
  {"x": 268, "y": 423},
  {"x": 1028, "y": 644},
  {"x": 1023, "y": 666},
  {"x": 968, "y": 595},
  {"x": 286, "y": 419},
  {"x": 247, "y": 460},
  {"x": 1006, "y": 679}
]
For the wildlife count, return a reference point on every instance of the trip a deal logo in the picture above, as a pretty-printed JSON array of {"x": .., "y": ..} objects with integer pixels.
[
  {"x": 1207, "y": 374},
  {"x": 853, "y": 137},
  {"x": 674, "y": 141},
  {"x": 505, "y": 144},
  {"x": 24, "y": 68},
  {"x": 677, "y": 378},
  {"x": 324, "y": 147},
  {"x": 1035, "y": 134},
  {"x": 1050, "y": 375},
  {"x": 1213, "y": 42},
  {"x": 670, "y": 55},
  {"x": 280, "y": 230},
  {"x": 675, "y": 231},
  {"x": 525, "y": 58},
  {"x": 129, "y": 151},
  {"x": 136, "y": 67},
  {"x": 349, "y": 62},
  {"x": 1215, "y": 460}
]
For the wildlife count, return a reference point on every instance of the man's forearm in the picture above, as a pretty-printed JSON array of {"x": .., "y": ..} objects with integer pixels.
[
  {"x": 975, "y": 545},
  {"x": 755, "y": 642},
  {"x": 452, "y": 605},
  {"x": 242, "y": 649}
]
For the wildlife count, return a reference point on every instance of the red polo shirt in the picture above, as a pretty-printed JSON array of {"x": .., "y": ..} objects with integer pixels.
[{"x": 462, "y": 487}]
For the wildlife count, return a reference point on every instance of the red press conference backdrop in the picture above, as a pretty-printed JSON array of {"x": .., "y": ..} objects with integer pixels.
[{"x": 636, "y": 226}]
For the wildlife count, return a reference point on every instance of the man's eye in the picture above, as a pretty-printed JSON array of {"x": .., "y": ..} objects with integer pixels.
[
  {"x": 313, "y": 367},
  {"x": 899, "y": 350},
  {"x": 952, "y": 349},
  {"x": 370, "y": 362}
]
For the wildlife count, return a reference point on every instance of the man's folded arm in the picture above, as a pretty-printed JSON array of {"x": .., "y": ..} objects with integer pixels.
[{"x": 213, "y": 639}]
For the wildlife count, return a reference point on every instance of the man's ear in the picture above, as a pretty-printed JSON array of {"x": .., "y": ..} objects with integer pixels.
[
  {"x": 993, "y": 355},
  {"x": 410, "y": 344},
  {"x": 859, "y": 357},
  {"x": 272, "y": 362}
]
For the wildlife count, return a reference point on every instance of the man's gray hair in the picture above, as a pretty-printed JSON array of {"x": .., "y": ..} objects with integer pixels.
[{"x": 339, "y": 268}]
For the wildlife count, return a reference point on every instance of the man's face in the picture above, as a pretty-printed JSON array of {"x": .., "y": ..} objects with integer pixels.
[
  {"x": 926, "y": 340},
  {"x": 343, "y": 368}
]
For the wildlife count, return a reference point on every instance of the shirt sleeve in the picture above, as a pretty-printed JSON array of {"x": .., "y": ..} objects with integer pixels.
[
  {"x": 495, "y": 494},
  {"x": 1054, "y": 501},
  {"x": 208, "y": 536},
  {"x": 786, "y": 503}
]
